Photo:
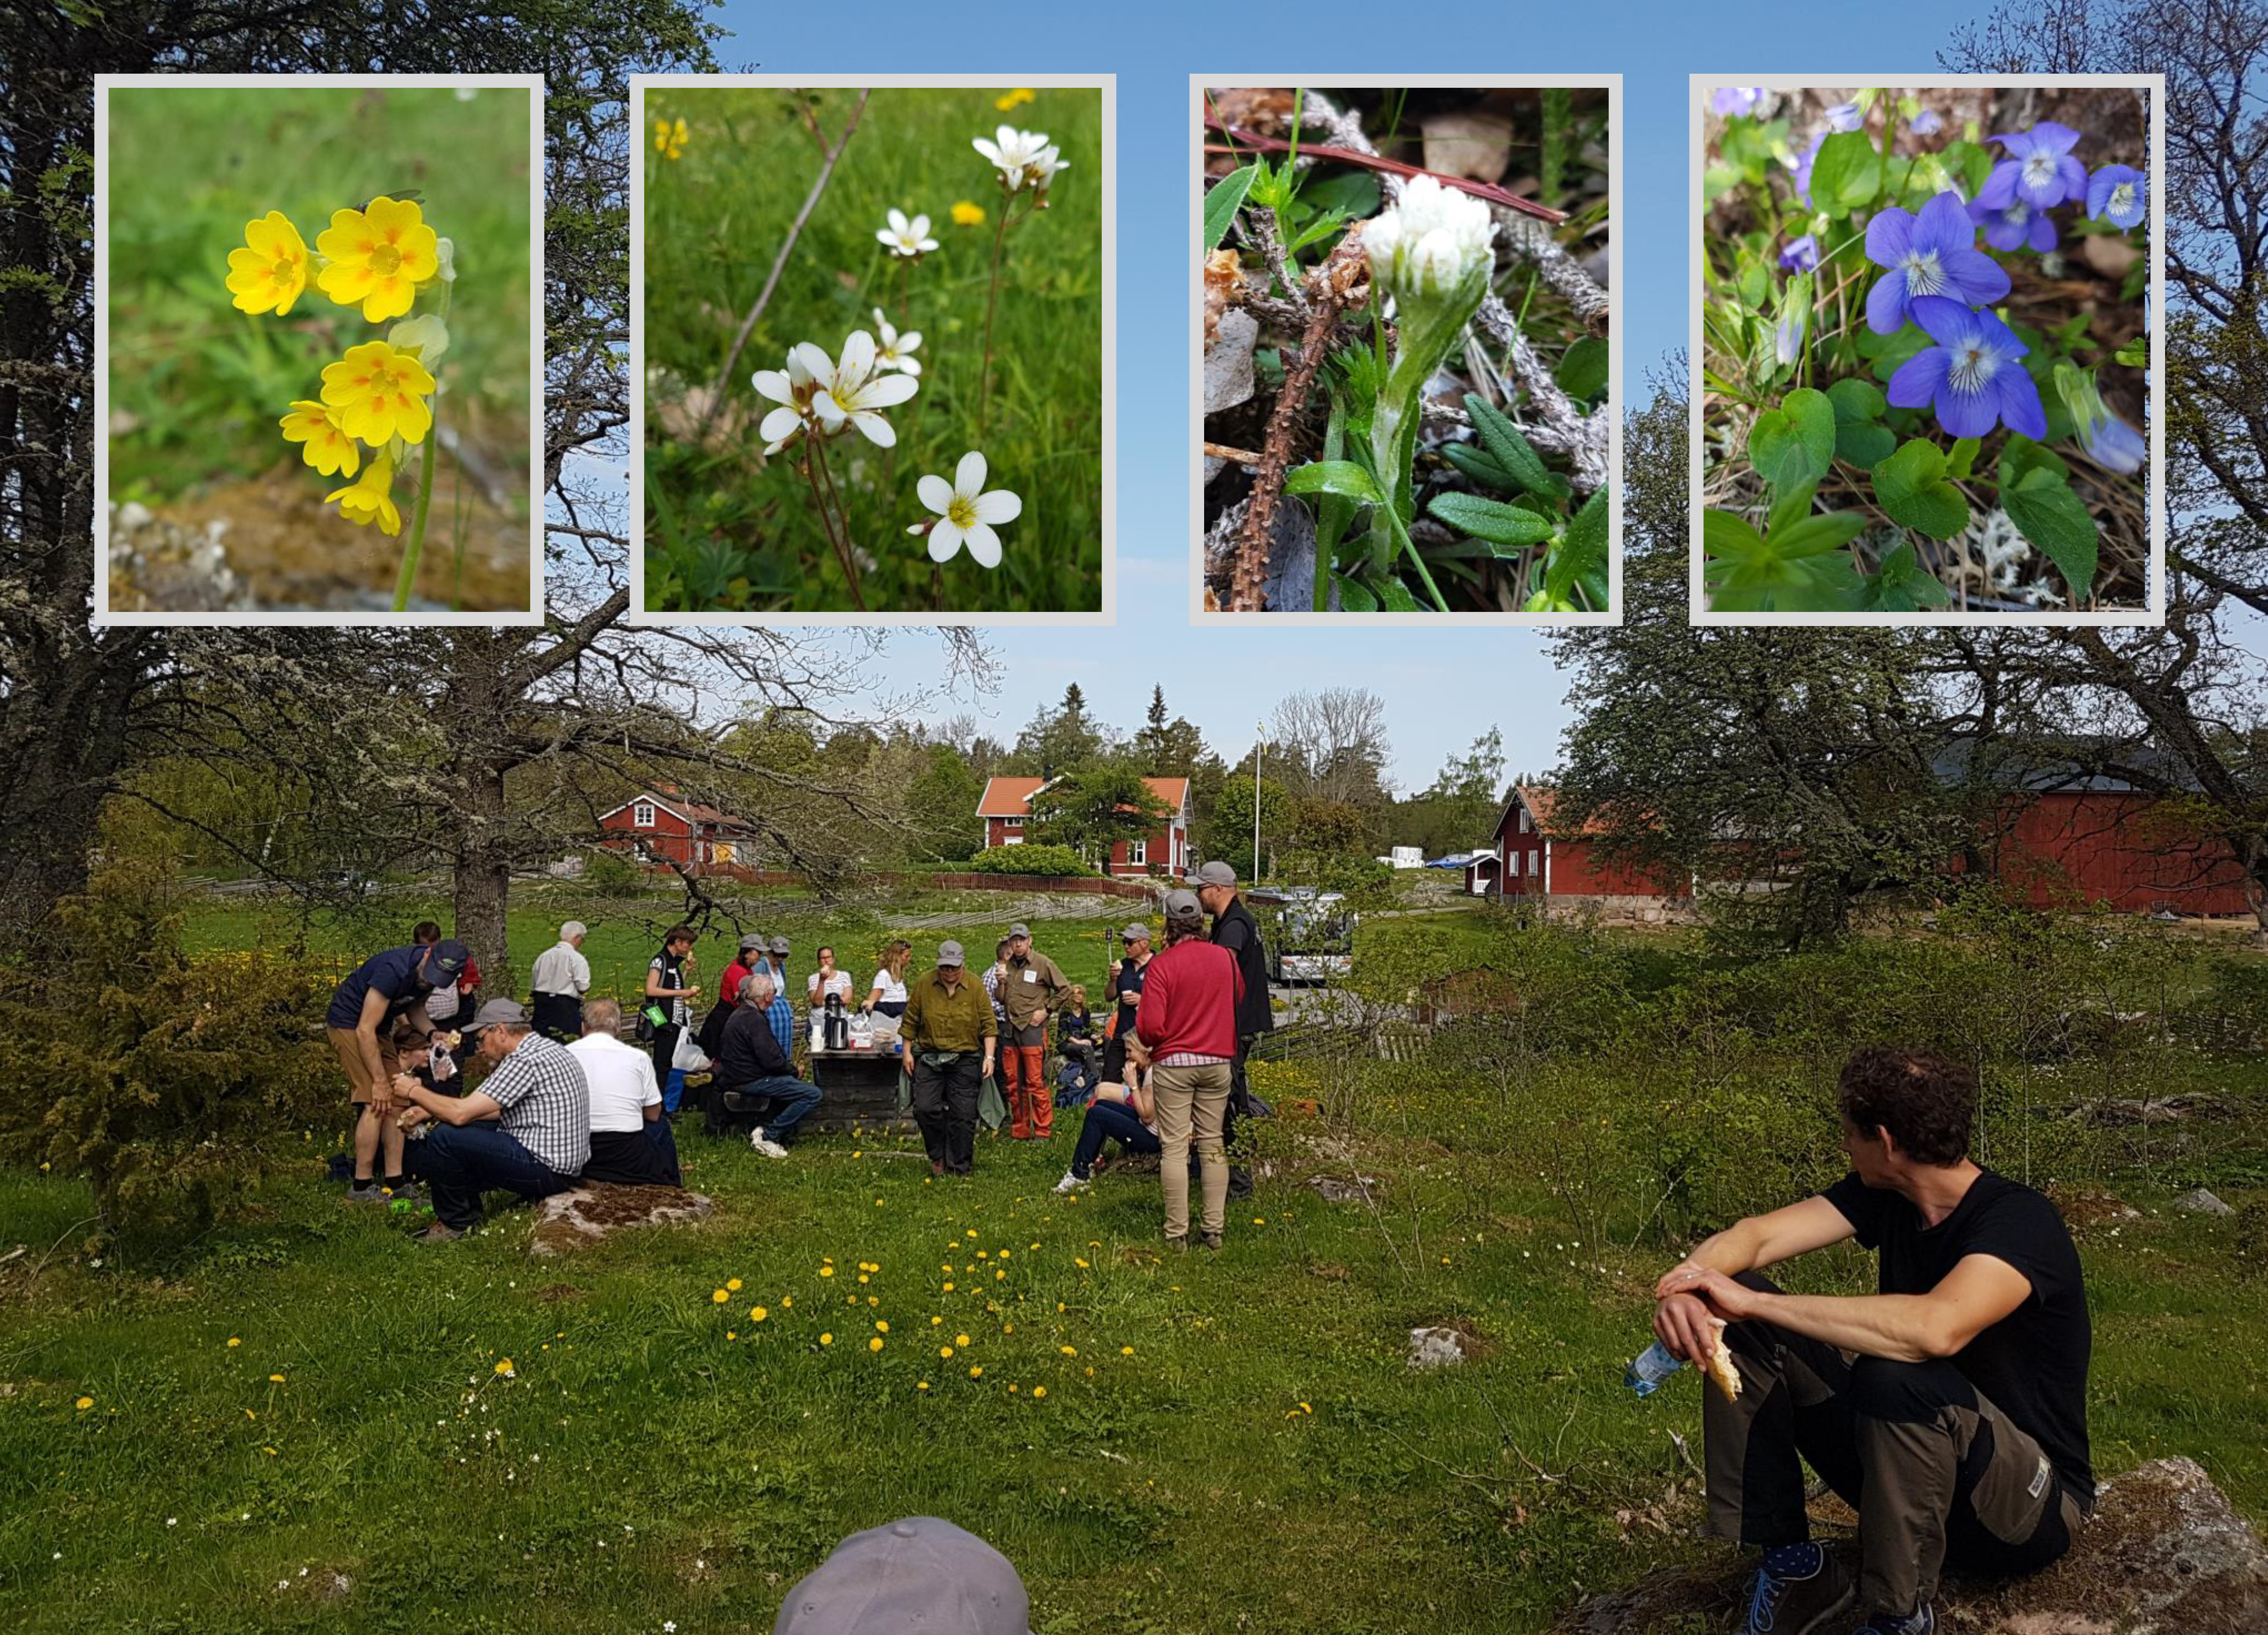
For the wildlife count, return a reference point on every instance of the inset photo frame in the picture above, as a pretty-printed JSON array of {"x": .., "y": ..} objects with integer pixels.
[
  {"x": 1405, "y": 373},
  {"x": 319, "y": 348},
  {"x": 1927, "y": 384},
  {"x": 872, "y": 349}
]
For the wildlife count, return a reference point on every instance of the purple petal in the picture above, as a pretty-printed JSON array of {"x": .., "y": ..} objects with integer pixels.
[
  {"x": 1989, "y": 328},
  {"x": 2072, "y": 174},
  {"x": 2117, "y": 446},
  {"x": 1949, "y": 323},
  {"x": 1889, "y": 235},
  {"x": 2053, "y": 137},
  {"x": 2019, "y": 399},
  {"x": 1943, "y": 225},
  {"x": 2042, "y": 232},
  {"x": 2017, "y": 142},
  {"x": 2003, "y": 234},
  {"x": 1968, "y": 414},
  {"x": 2098, "y": 190},
  {"x": 1980, "y": 278},
  {"x": 2000, "y": 185},
  {"x": 1918, "y": 378},
  {"x": 1886, "y": 303}
]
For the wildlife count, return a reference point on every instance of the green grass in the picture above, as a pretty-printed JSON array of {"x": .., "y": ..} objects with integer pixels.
[
  {"x": 725, "y": 529},
  {"x": 203, "y": 385}
]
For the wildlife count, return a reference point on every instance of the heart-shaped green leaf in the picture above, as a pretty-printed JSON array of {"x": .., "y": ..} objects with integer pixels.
[
  {"x": 2048, "y": 513},
  {"x": 1861, "y": 443},
  {"x": 1857, "y": 400},
  {"x": 1846, "y": 173},
  {"x": 1911, "y": 485},
  {"x": 1794, "y": 443},
  {"x": 1901, "y": 586}
]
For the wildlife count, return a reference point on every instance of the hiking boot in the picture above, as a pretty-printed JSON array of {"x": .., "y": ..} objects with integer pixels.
[
  {"x": 1921, "y": 1623},
  {"x": 1797, "y": 1589},
  {"x": 409, "y": 1192},
  {"x": 439, "y": 1232},
  {"x": 1209, "y": 1240},
  {"x": 365, "y": 1192},
  {"x": 769, "y": 1148},
  {"x": 1073, "y": 1182}
]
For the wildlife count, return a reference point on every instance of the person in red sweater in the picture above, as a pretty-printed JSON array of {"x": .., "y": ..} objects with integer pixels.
[{"x": 1186, "y": 1024}]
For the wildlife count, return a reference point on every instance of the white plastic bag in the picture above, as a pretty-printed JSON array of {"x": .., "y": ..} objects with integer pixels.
[{"x": 689, "y": 1057}]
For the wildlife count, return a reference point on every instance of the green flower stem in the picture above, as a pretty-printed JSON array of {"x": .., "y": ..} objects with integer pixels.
[
  {"x": 407, "y": 577},
  {"x": 843, "y": 523},
  {"x": 991, "y": 301},
  {"x": 1431, "y": 328}
]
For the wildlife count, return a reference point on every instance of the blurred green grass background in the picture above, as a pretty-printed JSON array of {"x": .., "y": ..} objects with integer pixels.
[
  {"x": 196, "y": 386},
  {"x": 727, "y": 530}
]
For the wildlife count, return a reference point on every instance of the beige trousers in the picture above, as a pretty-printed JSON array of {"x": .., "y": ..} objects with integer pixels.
[{"x": 1187, "y": 1095}]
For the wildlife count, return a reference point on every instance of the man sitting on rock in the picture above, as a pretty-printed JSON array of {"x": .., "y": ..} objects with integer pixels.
[
  {"x": 753, "y": 1066},
  {"x": 632, "y": 1143},
  {"x": 525, "y": 1130},
  {"x": 1949, "y": 1408}
]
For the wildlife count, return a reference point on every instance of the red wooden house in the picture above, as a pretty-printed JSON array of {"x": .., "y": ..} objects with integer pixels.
[
  {"x": 662, "y": 826},
  {"x": 1530, "y": 855},
  {"x": 1006, "y": 809}
]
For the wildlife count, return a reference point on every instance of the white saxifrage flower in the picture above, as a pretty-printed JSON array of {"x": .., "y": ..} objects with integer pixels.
[
  {"x": 966, "y": 516},
  {"x": 854, "y": 392},
  {"x": 1023, "y": 158},
  {"x": 895, "y": 351},
  {"x": 909, "y": 238},
  {"x": 1429, "y": 243},
  {"x": 794, "y": 391}
]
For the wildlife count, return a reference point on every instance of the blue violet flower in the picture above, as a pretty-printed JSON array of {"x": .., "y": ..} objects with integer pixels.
[
  {"x": 1787, "y": 338},
  {"x": 1933, "y": 253},
  {"x": 2115, "y": 193},
  {"x": 2015, "y": 226},
  {"x": 1926, "y": 123},
  {"x": 1845, "y": 116},
  {"x": 1737, "y": 98},
  {"x": 2116, "y": 447},
  {"x": 2038, "y": 168},
  {"x": 1802, "y": 254},
  {"x": 1973, "y": 377},
  {"x": 1803, "y": 167}
]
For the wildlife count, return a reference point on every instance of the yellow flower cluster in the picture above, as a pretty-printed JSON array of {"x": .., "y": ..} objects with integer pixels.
[
  {"x": 377, "y": 257},
  {"x": 670, "y": 137}
]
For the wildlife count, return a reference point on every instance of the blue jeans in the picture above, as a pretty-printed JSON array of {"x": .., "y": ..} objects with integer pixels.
[
  {"x": 792, "y": 1099},
  {"x": 1109, "y": 1121},
  {"x": 461, "y": 1161}
]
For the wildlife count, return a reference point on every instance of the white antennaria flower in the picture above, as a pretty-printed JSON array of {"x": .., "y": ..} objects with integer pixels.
[{"x": 1426, "y": 246}]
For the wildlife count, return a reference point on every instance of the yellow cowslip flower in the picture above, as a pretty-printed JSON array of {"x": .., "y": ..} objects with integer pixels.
[
  {"x": 270, "y": 271},
  {"x": 379, "y": 255},
  {"x": 669, "y": 139},
  {"x": 1014, "y": 98},
  {"x": 379, "y": 393},
  {"x": 371, "y": 499}
]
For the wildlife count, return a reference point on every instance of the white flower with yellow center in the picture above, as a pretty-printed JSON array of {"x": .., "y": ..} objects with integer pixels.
[
  {"x": 793, "y": 389},
  {"x": 895, "y": 351},
  {"x": 1015, "y": 153},
  {"x": 1430, "y": 242},
  {"x": 852, "y": 392},
  {"x": 965, "y": 515},
  {"x": 909, "y": 238}
]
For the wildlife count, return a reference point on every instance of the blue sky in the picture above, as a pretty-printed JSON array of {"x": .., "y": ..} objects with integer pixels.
[{"x": 1442, "y": 688}]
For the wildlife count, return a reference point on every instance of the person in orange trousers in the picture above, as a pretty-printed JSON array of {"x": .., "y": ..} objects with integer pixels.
[{"x": 1033, "y": 987}]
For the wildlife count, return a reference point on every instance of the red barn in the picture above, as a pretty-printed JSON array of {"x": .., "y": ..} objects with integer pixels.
[
  {"x": 1006, "y": 809},
  {"x": 1532, "y": 856},
  {"x": 660, "y": 826}
]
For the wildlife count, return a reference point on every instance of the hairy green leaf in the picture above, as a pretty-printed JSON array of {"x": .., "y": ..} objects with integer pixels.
[
  {"x": 1492, "y": 520},
  {"x": 2048, "y": 513},
  {"x": 1222, "y": 203},
  {"x": 1911, "y": 485}
]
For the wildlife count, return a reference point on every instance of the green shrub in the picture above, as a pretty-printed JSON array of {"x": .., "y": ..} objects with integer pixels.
[
  {"x": 166, "y": 1080},
  {"x": 610, "y": 875},
  {"x": 1052, "y": 861}
]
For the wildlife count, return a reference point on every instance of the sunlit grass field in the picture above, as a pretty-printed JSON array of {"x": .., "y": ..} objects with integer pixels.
[
  {"x": 196, "y": 387},
  {"x": 728, "y": 529}
]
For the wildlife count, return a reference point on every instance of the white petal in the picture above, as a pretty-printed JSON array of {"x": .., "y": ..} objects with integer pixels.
[
  {"x": 772, "y": 384},
  {"x": 936, "y": 493},
  {"x": 813, "y": 364},
  {"x": 888, "y": 237},
  {"x": 877, "y": 429},
  {"x": 881, "y": 323},
  {"x": 920, "y": 229},
  {"x": 828, "y": 409},
  {"x": 944, "y": 540},
  {"x": 897, "y": 221},
  {"x": 886, "y": 391},
  {"x": 1009, "y": 139},
  {"x": 968, "y": 475},
  {"x": 857, "y": 361},
  {"x": 915, "y": 528},
  {"x": 927, "y": 245},
  {"x": 1000, "y": 505},
  {"x": 991, "y": 153},
  {"x": 779, "y": 424},
  {"x": 984, "y": 545},
  {"x": 908, "y": 366},
  {"x": 909, "y": 340}
]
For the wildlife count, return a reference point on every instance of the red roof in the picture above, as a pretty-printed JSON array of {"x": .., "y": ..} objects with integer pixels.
[
  {"x": 691, "y": 811},
  {"x": 1012, "y": 797},
  {"x": 1540, "y": 799}
]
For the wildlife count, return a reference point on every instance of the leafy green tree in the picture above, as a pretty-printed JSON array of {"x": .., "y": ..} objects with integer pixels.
[
  {"x": 1168, "y": 748},
  {"x": 1227, "y": 831},
  {"x": 1092, "y": 810},
  {"x": 941, "y": 807},
  {"x": 1062, "y": 739}
]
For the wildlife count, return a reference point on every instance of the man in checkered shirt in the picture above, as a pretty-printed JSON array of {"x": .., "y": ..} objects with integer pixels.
[{"x": 527, "y": 1130}]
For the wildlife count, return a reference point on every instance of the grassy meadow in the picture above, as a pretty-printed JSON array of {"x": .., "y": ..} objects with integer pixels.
[
  {"x": 196, "y": 387},
  {"x": 301, "y": 1421},
  {"x": 727, "y": 528}
]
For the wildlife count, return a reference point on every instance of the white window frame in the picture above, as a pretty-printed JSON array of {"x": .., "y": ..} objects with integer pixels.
[
  {"x": 1137, "y": 853},
  {"x": 1523, "y": 820},
  {"x": 1013, "y": 823},
  {"x": 642, "y": 814}
]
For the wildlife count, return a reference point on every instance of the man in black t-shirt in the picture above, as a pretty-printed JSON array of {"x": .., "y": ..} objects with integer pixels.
[
  {"x": 1949, "y": 1408},
  {"x": 1125, "y": 990},
  {"x": 1235, "y": 929}
]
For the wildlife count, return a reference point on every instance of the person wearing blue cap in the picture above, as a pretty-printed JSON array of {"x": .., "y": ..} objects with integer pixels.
[{"x": 385, "y": 989}]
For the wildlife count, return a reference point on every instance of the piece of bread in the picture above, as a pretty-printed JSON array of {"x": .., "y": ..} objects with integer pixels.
[{"x": 1720, "y": 1367}]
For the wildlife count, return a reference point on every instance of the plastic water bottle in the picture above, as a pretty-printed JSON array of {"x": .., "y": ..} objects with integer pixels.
[{"x": 1653, "y": 1366}]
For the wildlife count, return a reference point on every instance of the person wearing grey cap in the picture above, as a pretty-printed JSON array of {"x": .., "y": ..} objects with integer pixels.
[
  {"x": 525, "y": 1130},
  {"x": 1033, "y": 987},
  {"x": 1187, "y": 1024},
  {"x": 1125, "y": 990},
  {"x": 1235, "y": 929},
  {"x": 949, "y": 1033},
  {"x": 557, "y": 982},
  {"x": 920, "y": 1576}
]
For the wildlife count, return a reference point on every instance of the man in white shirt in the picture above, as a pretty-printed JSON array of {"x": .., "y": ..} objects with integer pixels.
[
  {"x": 631, "y": 1141},
  {"x": 559, "y": 980}
]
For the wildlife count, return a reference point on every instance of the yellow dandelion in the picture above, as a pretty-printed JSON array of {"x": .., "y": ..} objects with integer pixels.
[
  {"x": 1015, "y": 99},
  {"x": 1039, "y": 1391},
  {"x": 827, "y": 1339},
  {"x": 961, "y": 1339},
  {"x": 976, "y": 1373},
  {"x": 270, "y": 272},
  {"x": 863, "y": 1278},
  {"x": 875, "y": 1345},
  {"x": 881, "y": 1326},
  {"x": 233, "y": 1340},
  {"x": 1259, "y": 1220},
  {"x": 504, "y": 1366},
  {"x": 83, "y": 1403},
  {"x": 968, "y": 214},
  {"x": 720, "y": 1296},
  {"x": 944, "y": 1351},
  {"x": 1125, "y": 1350},
  {"x": 934, "y": 1321},
  {"x": 924, "y": 1386},
  {"x": 787, "y": 1299},
  {"x": 275, "y": 1379},
  {"x": 729, "y": 1334},
  {"x": 826, "y": 1271},
  {"x": 733, "y": 1284},
  {"x": 948, "y": 1288},
  {"x": 757, "y": 1314},
  {"x": 1081, "y": 1264},
  {"x": 1069, "y": 1351},
  {"x": 1012, "y": 1390}
]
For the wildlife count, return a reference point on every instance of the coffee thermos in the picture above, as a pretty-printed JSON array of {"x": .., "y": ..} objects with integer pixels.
[{"x": 838, "y": 1026}]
